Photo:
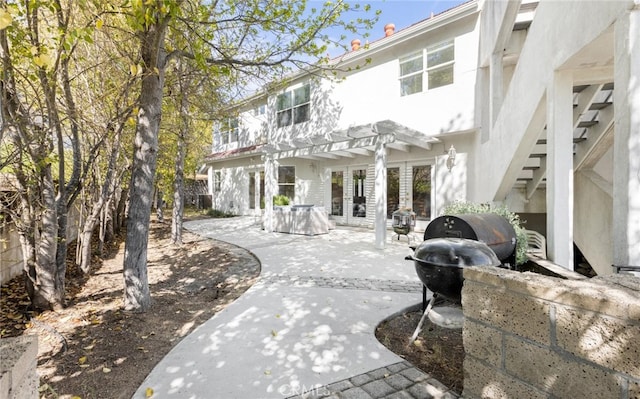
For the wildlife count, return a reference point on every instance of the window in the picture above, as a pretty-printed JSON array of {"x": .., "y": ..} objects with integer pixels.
[
  {"x": 411, "y": 74},
  {"x": 287, "y": 181},
  {"x": 440, "y": 64},
  {"x": 293, "y": 107},
  {"x": 260, "y": 110},
  {"x": 217, "y": 180},
  {"x": 439, "y": 68},
  {"x": 229, "y": 131}
]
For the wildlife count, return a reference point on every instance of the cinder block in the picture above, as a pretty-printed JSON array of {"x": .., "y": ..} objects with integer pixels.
[
  {"x": 483, "y": 342},
  {"x": 616, "y": 295},
  {"x": 610, "y": 342},
  {"x": 481, "y": 381},
  {"x": 558, "y": 375},
  {"x": 18, "y": 360},
  {"x": 634, "y": 390},
  {"x": 596, "y": 296},
  {"x": 515, "y": 313},
  {"x": 493, "y": 276},
  {"x": 529, "y": 284},
  {"x": 5, "y": 383},
  {"x": 27, "y": 387},
  {"x": 625, "y": 290}
]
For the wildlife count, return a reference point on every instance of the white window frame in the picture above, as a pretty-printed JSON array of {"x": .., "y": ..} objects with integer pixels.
[
  {"x": 260, "y": 110},
  {"x": 442, "y": 65},
  {"x": 290, "y": 103},
  {"x": 229, "y": 130},
  {"x": 282, "y": 183},
  {"x": 426, "y": 71},
  {"x": 417, "y": 74},
  {"x": 217, "y": 181}
]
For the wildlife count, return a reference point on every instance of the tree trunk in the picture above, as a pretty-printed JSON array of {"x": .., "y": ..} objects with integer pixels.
[
  {"x": 49, "y": 288},
  {"x": 178, "y": 185},
  {"x": 121, "y": 210},
  {"x": 136, "y": 288},
  {"x": 178, "y": 194}
]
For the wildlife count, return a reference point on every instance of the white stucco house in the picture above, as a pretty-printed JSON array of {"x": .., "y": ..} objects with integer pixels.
[{"x": 532, "y": 104}]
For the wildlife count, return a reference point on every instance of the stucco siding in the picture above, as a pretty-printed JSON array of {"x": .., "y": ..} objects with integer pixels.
[
  {"x": 593, "y": 223},
  {"x": 569, "y": 28},
  {"x": 373, "y": 93}
]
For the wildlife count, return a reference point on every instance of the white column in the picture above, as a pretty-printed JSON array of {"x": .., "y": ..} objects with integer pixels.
[
  {"x": 496, "y": 86},
  {"x": 626, "y": 168},
  {"x": 381, "y": 195},
  {"x": 560, "y": 169},
  {"x": 270, "y": 189}
]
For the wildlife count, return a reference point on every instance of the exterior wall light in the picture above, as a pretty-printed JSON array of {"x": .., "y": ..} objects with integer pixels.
[{"x": 451, "y": 159}]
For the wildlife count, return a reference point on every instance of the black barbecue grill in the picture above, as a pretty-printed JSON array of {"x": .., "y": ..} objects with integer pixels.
[
  {"x": 489, "y": 228},
  {"x": 452, "y": 243}
]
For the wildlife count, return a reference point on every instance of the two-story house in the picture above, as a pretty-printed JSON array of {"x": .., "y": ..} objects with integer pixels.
[
  {"x": 532, "y": 104},
  {"x": 391, "y": 133}
]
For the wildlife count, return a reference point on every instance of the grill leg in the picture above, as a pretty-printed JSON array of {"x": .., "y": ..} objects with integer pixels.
[
  {"x": 424, "y": 297},
  {"x": 424, "y": 316}
]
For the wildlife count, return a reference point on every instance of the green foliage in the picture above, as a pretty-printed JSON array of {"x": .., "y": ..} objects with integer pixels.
[
  {"x": 462, "y": 207},
  {"x": 280, "y": 200},
  {"x": 216, "y": 213}
]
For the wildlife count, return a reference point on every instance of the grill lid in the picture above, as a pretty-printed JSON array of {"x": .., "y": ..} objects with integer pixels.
[{"x": 457, "y": 252}]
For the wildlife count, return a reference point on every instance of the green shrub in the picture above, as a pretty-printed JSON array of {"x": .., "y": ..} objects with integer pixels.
[
  {"x": 280, "y": 200},
  {"x": 216, "y": 213},
  {"x": 461, "y": 207}
]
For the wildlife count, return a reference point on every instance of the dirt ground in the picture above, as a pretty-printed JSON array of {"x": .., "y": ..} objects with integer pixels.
[
  {"x": 94, "y": 349},
  {"x": 437, "y": 351}
]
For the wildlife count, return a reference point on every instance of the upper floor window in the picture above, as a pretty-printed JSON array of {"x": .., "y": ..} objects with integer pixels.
[
  {"x": 436, "y": 62},
  {"x": 293, "y": 106},
  {"x": 440, "y": 64},
  {"x": 411, "y": 68},
  {"x": 229, "y": 131},
  {"x": 260, "y": 110}
]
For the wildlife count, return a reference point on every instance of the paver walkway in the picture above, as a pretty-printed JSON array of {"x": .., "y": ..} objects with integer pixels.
[{"x": 306, "y": 328}]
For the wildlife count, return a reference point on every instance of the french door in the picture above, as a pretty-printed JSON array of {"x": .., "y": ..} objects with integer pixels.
[{"x": 349, "y": 195}]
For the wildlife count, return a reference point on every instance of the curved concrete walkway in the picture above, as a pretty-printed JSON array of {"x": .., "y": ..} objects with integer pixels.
[{"x": 306, "y": 328}]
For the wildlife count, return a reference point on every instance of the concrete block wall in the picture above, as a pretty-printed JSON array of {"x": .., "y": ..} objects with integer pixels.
[
  {"x": 532, "y": 336},
  {"x": 18, "y": 362},
  {"x": 11, "y": 251}
]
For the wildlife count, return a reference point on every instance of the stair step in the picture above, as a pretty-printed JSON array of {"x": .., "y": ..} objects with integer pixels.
[
  {"x": 575, "y": 140},
  {"x": 599, "y": 106},
  {"x": 587, "y": 123}
]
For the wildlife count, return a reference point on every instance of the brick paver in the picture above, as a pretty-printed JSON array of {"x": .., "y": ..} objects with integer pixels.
[
  {"x": 345, "y": 283},
  {"x": 396, "y": 381}
]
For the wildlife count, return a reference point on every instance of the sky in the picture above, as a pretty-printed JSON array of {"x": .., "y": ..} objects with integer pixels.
[{"x": 402, "y": 13}]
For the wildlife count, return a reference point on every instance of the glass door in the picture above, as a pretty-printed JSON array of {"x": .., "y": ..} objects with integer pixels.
[
  {"x": 393, "y": 191},
  {"x": 421, "y": 194},
  {"x": 358, "y": 196},
  {"x": 349, "y": 195},
  {"x": 338, "y": 197}
]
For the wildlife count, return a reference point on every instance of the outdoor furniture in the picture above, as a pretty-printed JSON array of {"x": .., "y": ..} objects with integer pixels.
[
  {"x": 403, "y": 221},
  {"x": 536, "y": 244},
  {"x": 301, "y": 219},
  {"x": 626, "y": 268}
]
